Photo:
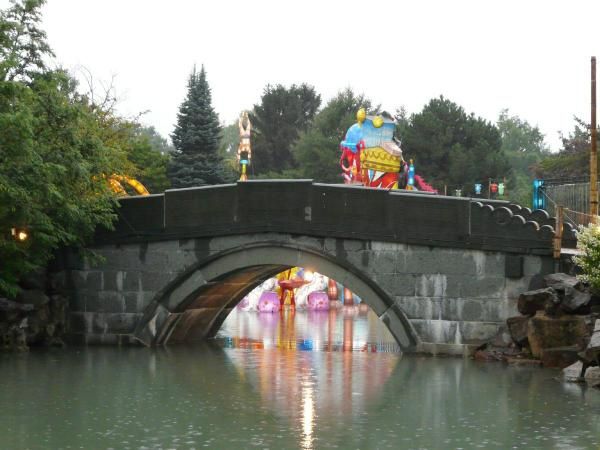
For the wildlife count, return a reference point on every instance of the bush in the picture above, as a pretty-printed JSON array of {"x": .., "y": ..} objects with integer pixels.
[{"x": 588, "y": 242}]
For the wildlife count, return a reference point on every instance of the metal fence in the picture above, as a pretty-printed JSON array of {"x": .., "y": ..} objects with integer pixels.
[{"x": 573, "y": 197}]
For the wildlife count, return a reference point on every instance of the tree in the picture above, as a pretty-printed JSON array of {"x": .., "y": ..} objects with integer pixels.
[
  {"x": 196, "y": 161},
  {"x": 148, "y": 152},
  {"x": 573, "y": 159},
  {"x": 524, "y": 147},
  {"x": 229, "y": 142},
  {"x": 318, "y": 149},
  {"x": 283, "y": 113},
  {"x": 452, "y": 148},
  {"x": 56, "y": 149},
  {"x": 23, "y": 44},
  {"x": 156, "y": 140}
]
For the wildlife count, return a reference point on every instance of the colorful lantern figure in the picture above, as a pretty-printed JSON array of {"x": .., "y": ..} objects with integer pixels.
[
  {"x": 411, "y": 176},
  {"x": 244, "y": 153},
  {"x": 381, "y": 159},
  {"x": 318, "y": 301},
  {"x": 351, "y": 148},
  {"x": 494, "y": 188},
  {"x": 332, "y": 289},
  {"x": 116, "y": 185},
  {"x": 500, "y": 188},
  {"x": 268, "y": 302},
  {"x": 478, "y": 188}
]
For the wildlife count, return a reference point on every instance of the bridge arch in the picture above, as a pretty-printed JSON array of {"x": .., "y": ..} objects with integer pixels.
[{"x": 195, "y": 304}]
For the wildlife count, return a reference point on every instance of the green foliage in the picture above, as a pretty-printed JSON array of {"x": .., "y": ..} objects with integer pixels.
[
  {"x": 147, "y": 151},
  {"x": 573, "y": 159},
  {"x": 452, "y": 148},
  {"x": 588, "y": 242},
  {"x": 283, "y": 113},
  {"x": 524, "y": 147},
  {"x": 229, "y": 143},
  {"x": 317, "y": 151},
  {"x": 196, "y": 161},
  {"x": 52, "y": 161},
  {"x": 56, "y": 149},
  {"x": 23, "y": 45}
]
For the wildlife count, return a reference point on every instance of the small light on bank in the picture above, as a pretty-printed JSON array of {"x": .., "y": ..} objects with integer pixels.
[{"x": 19, "y": 234}]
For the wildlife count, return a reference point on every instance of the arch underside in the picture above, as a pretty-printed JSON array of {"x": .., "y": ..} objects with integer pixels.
[{"x": 194, "y": 306}]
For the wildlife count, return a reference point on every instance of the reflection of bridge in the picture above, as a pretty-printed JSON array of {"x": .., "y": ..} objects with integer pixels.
[{"x": 441, "y": 272}]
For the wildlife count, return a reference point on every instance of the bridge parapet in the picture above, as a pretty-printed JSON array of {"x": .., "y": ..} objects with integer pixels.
[{"x": 304, "y": 207}]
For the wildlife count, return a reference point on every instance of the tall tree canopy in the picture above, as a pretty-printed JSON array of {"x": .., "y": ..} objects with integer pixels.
[
  {"x": 524, "y": 146},
  {"x": 317, "y": 151},
  {"x": 452, "y": 148},
  {"x": 57, "y": 148},
  {"x": 196, "y": 160},
  {"x": 573, "y": 159},
  {"x": 282, "y": 114}
]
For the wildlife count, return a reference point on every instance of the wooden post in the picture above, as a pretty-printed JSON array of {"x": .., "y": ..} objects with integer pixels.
[
  {"x": 558, "y": 232},
  {"x": 593, "y": 149}
]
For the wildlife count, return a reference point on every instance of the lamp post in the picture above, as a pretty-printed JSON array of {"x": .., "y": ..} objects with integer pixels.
[{"x": 593, "y": 150}]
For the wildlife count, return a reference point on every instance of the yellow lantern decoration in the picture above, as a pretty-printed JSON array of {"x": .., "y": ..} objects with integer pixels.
[{"x": 378, "y": 122}]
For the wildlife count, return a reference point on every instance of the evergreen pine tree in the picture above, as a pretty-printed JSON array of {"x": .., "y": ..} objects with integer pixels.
[{"x": 196, "y": 161}]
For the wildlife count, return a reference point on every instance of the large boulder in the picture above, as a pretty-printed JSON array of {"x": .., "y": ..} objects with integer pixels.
[
  {"x": 560, "y": 281},
  {"x": 545, "y": 332},
  {"x": 592, "y": 352},
  {"x": 517, "y": 327},
  {"x": 575, "y": 301},
  {"x": 541, "y": 299}
]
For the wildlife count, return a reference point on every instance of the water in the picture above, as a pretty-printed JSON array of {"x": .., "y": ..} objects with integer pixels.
[{"x": 267, "y": 387}]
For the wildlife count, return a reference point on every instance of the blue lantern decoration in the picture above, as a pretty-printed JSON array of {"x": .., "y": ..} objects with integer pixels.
[
  {"x": 478, "y": 187},
  {"x": 539, "y": 201}
]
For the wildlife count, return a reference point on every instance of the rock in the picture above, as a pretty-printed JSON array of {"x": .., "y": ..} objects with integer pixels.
[
  {"x": 9, "y": 305},
  {"x": 574, "y": 301},
  {"x": 540, "y": 299},
  {"x": 520, "y": 361},
  {"x": 560, "y": 357},
  {"x": 517, "y": 327},
  {"x": 560, "y": 281},
  {"x": 591, "y": 355},
  {"x": 573, "y": 372},
  {"x": 33, "y": 297},
  {"x": 546, "y": 332}
]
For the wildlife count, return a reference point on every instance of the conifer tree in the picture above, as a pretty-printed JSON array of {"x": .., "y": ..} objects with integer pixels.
[{"x": 196, "y": 161}]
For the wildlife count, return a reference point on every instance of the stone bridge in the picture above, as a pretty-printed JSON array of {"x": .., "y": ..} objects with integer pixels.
[{"x": 443, "y": 273}]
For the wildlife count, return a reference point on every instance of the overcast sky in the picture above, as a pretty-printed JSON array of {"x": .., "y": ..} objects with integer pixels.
[{"x": 532, "y": 57}]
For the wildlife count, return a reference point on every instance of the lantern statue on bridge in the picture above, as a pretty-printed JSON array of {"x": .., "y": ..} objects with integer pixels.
[
  {"x": 371, "y": 155},
  {"x": 244, "y": 153}
]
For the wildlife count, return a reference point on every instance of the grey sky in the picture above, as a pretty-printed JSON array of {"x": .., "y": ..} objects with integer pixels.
[{"x": 529, "y": 56}]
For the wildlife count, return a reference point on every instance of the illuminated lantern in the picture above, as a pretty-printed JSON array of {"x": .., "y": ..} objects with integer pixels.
[
  {"x": 268, "y": 302},
  {"x": 478, "y": 189},
  {"x": 411, "y": 175},
  {"x": 348, "y": 297},
  {"x": 493, "y": 188},
  {"x": 332, "y": 289},
  {"x": 19, "y": 234},
  {"x": 501, "y": 188},
  {"x": 318, "y": 301}
]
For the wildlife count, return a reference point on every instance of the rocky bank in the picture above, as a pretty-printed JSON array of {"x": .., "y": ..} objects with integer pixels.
[
  {"x": 36, "y": 317},
  {"x": 559, "y": 326}
]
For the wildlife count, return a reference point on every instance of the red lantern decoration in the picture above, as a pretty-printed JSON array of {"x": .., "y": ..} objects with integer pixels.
[
  {"x": 332, "y": 290},
  {"x": 348, "y": 300}
]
